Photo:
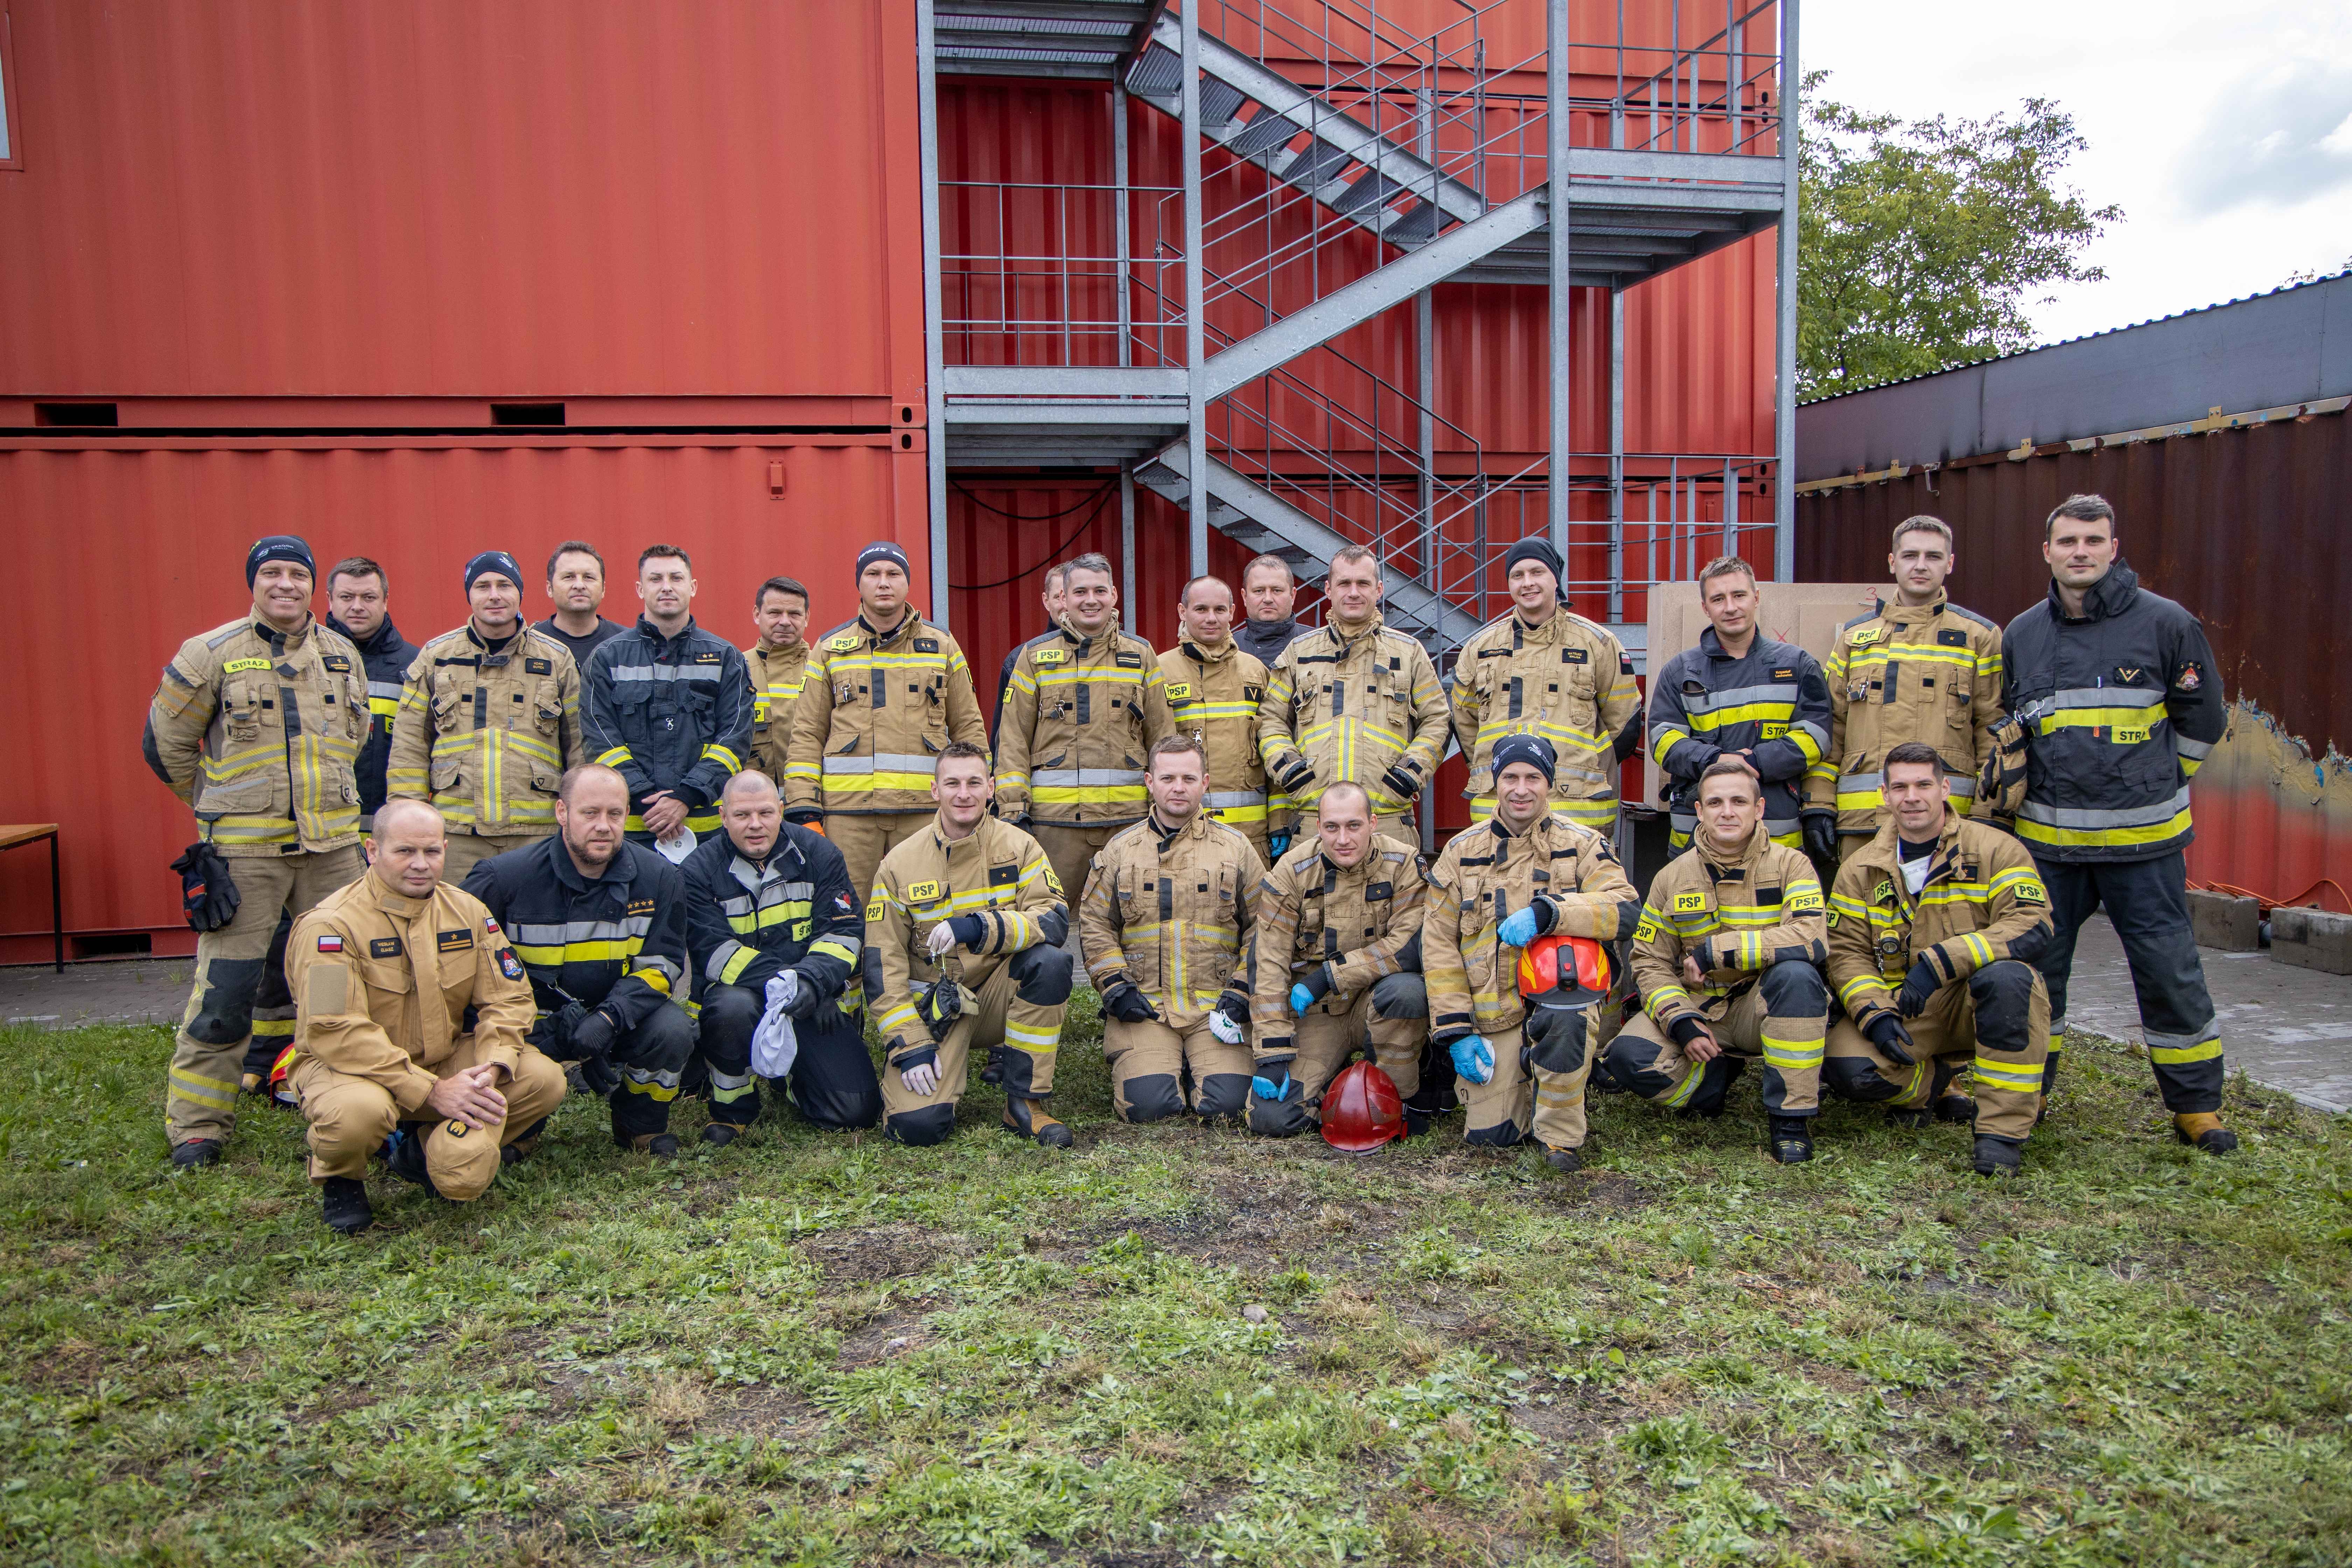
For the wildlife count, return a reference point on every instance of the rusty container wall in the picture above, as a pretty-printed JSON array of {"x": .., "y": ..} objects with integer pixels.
[
  {"x": 151, "y": 537},
  {"x": 550, "y": 198},
  {"x": 2241, "y": 526}
]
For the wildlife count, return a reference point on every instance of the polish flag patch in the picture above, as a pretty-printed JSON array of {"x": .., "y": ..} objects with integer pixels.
[
  {"x": 491, "y": 924},
  {"x": 331, "y": 942}
]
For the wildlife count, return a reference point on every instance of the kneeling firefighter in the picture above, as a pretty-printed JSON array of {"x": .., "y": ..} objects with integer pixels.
[
  {"x": 1522, "y": 1049},
  {"x": 1728, "y": 960}
]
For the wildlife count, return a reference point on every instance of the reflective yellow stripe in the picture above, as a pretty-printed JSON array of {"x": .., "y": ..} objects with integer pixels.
[
  {"x": 2177, "y": 1056},
  {"x": 2024, "y": 1077},
  {"x": 2041, "y": 833},
  {"x": 1790, "y": 1055}
]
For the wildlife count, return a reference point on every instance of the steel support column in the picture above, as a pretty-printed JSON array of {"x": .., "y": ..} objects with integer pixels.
[
  {"x": 1555, "y": 159},
  {"x": 1128, "y": 591},
  {"x": 1616, "y": 456},
  {"x": 1196, "y": 343},
  {"x": 1119, "y": 221},
  {"x": 1425, "y": 337},
  {"x": 935, "y": 432},
  {"x": 1784, "y": 399}
]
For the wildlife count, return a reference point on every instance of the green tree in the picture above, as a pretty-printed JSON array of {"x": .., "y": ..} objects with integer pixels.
[{"x": 1921, "y": 242}]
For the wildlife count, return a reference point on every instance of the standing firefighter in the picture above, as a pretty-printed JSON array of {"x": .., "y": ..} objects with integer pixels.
[
  {"x": 490, "y": 719},
  {"x": 256, "y": 724},
  {"x": 1085, "y": 708},
  {"x": 1728, "y": 960},
  {"x": 1529, "y": 873},
  {"x": 1922, "y": 669},
  {"x": 885, "y": 695},
  {"x": 1214, "y": 691},
  {"x": 1934, "y": 929},
  {"x": 1541, "y": 671},
  {"x": 2121, "y": 704},
  {"x": 778, "y": 665},
  {"x": 1739, "y": 693},
  {"x": 1165, "y": 924},
  {"x": 1336, "y": 966},
  {"x": 969, "y": 922},
  {"x": 771, "y": 921},
  {"x": 1354, "y": 704},
  {"x": 412, "y": 1010},
  {"x": 600, "y": 924}
]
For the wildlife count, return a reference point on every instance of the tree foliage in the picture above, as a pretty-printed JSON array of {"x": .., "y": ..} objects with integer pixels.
[{"x": 1921, "y": 242}]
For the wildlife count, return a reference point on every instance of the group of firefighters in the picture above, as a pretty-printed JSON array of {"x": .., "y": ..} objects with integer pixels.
[{"x": 640, "y": 862}]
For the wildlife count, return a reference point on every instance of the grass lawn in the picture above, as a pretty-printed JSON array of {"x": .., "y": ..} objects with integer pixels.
[{"x": 824, "y": 1348}]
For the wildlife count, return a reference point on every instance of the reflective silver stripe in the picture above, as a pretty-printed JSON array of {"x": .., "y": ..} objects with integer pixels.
[
  {"x": 768, "y": 896},
  {"x": 715, "y": 966},
  {"x": 1821, "y": 736},
  {"x": 1085, "y": 778},
  {"x": 885, "y": 762},
  {"x": 2106, "y": 697},
  {"x": 2195, "y": 750},
  {"x": 1853, "y": 784},
  {"x": 639, "y": 1075},
  {"x": 1777, "y": 826},
  {"x": 1964, "y": 788},
  {"x": 659, "y": 965},
  {"x": 392, "y": 689},
  {"x": 1226, "y": 800},
  {"x": 1738, "y": 696},
  {"x": 582, "y": 931},
  {"x": 2137, "y": 816},
  {"x": 656, "y": 672},
  {"x": 728, "y": 1080}
]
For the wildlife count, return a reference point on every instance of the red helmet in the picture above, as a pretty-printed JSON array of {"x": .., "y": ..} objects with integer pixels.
[
  {"x": 1362, "y": 1110},
  {"x": 1576, "y": 965}
]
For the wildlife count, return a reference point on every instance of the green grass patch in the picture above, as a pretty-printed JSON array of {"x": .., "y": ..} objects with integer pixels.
[{"x": 822, "y": 1349}]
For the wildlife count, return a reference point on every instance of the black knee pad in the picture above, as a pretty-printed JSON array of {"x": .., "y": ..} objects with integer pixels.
[
  {"x": 1223, "y": 1094},
  {"x": 1556, "y": 1037},
  {"x": 226, "y": 1015},
  {"x": 1630, "y": 1062},
  {"x": 870, "y": 967},
  {"x": 730, "y": 1012},
  {"x": 1152, "y": 1099},
  {"x": 1041, "y": 975},
  {"x": 1855, "y": 1077},
  {"x": 1284, "y": 1118},
  {"x": 2004, "y": 995},
  {"x": 921, "y": 1129},
  {"x": 1501, "y": 1135},
  {"x": 1794, "y": 989},
  {"x": 1399, "y": 996},
  {"x": 1715, "y": 1082},
  {"x": 663, "y": 1042}
]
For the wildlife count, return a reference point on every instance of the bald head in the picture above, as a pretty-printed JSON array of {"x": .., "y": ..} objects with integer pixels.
[
  {"x": 750, "y": 782},
  {"x": 751, "y": 813},
  {"x": 407, "y": 845},
  {"x": 397, "y": 818},
  {"x": 591, "y": 773}
]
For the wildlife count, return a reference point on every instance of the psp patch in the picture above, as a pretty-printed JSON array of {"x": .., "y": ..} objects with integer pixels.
[
  {"x": 1689, "y": 903},
  {"x": 1180, "y": 691},
  {"x": 508, "y": 965},
  {"x": 922, "y": 892},
  {"x": 842, "y": 644}
]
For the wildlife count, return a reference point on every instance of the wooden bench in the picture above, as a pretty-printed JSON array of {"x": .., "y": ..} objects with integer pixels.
[{"x": 16, "y": 838}]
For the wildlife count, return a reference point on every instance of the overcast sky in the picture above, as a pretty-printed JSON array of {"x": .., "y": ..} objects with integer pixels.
[{"x": 2223, "y": 130}]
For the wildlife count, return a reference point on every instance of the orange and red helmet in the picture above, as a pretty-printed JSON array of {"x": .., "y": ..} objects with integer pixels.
[
  {"x": 1576, "y": 965},
  {"x": 1362, "y": 1110}
]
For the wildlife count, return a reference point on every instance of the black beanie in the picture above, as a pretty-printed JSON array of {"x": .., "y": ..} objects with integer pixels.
[
  {"x": 1532, "y": 749},
  {"x": 278, "y": 547},
  {"x": 496, "y": 561},
  {"x": 1536, "y": 548},
  {"x": 882, "y": 550}
]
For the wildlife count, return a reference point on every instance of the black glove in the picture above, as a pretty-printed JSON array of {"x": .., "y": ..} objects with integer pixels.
[
  {"x": 804, "y": 816},
  {"x": 1919, "y": 987},
  {"x": 940, "y": 1006},
  {"x": 207, "y": 891},
  {"x": 595, "y": 1035},
  {"x": 968, "y": 929},
  {"x": 1235, "y": 1007},
  {"x": 1701, "y": 952},
  {"x": 1893, "y": 1040},
  {"x": 557, "y": 1028},
  {"x": 1128, "y": 1005},
  {"x": 1820, "y": 835},
  {"x": 1295, "y": 777},
  {"x": 598, "y": 1075},
  {"x": 1317, "y": 981},
  {"x": 804, "y": 1000},
  {"x": 1401, "y": 783}
]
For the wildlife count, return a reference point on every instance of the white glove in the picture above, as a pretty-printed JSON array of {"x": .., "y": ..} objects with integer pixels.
[
  {"x": 943, "y": 938},
  {"x": 920, "y": 1080},
  {"x": 783, "y": 988},
  {"x": 1224, "y": 1028}
]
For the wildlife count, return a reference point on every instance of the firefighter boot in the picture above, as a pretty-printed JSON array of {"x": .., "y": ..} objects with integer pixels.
[
  {"x": 196, "y": 1152},
  {"x": 1953, "y": 1106},
  {"x": 1565, "y": 1160},
  {"x": 660, "y": 1145},
  {"x": 403, "y": 1156},
  {"x": 720, "y": 1134},
  {"x": 1792, "y": 1139},
  {"x": 1027, "y": 1118},
  {"x": 2204, "y": 1130},
  {"x": 525, "y": 1145},
  {"x": 343, "y": 1201},
  {"x": 1998, "y": 1156}
]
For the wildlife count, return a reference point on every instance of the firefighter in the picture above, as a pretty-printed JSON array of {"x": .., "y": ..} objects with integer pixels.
[
  {"x": 766, "y": 898},
  {"x": 599, "y": 922},
  {"x": 968, "y": 922},
  {"x": 1354, "y": 704},
  {"x": 1164, "y": 924},
  {"x": 1270, "y": 593},
  {"x": 1084, "y": 709},
  {"x": 575, "y": 585},
  {"x": 2121, "y": 705},
  {"x": 256, "y": 724},
  {"x": 410, "y": 1029},
  {"x": 1055, "y": 596},
  {"x": 1337, "y": 964},
  {"x": 886, "y": 693},
  {"x": 490, "y": 719},
  {"x": 776, "y": 663},
  {"x": 1541, "y": 671},
  {"x": 1739, "y": 693},
  {"x": 1529, "y": 871},
  {"x": 1921, "y": 668},
  {"x": 1934, "y": 928},
  {"x": 668, "y": 705},
  {"x": 1213, "y": 692},
  {"x": 1728, "y": 960}
]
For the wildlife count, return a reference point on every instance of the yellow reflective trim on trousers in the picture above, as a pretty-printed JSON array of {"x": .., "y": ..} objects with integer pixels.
[
  {"x": 1790, "y": 1056},
  {"x": 1692, "y": 1072},
  {"x": 2041, "y": 833},
  {"x": 2179, "y": 1055},
  {"x": 654, "y": 1089},
  {"x": 273, "y": 1028},
  {"x": 184, "y": 1087},
  {"x": 1035, "y": 1039},
  {"x": 2057, "y": 1042},
  {"x": 2023, "y": 1078}
]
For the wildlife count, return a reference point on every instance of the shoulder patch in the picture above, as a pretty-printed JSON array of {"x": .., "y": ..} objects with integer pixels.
[
  {"x": 1865, "y": 635},
  {"x": 2030, "y": 891},
  {"x": 874, "y": 909},
  {"x": 1805, "y": 898},
  {"x": 508, "y": 965},
  {"x": 1180, "y": 691},
  {"x": 330, "y": 941},
  {"x": 234, "y": 665}
]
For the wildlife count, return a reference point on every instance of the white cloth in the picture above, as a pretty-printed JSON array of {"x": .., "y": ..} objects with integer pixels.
[
  {"x": 775, "y": 1045},
  {"x": 1914, "y": 873},
  {"x": 675, "y": 850},
  {"x": 1224, "y": 1028}
]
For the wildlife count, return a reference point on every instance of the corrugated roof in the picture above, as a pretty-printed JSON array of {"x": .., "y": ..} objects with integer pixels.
[{"x": 2082, "y": 338}]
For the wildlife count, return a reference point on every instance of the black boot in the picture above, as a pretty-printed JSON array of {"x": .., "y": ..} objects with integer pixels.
[
  {"x": 403, "y": 1156},
  {"x": 720, "y": 1134},
  {"x": 1027, "y": 1118},
  {"x": 1792, "y": 1139},
  {"x": 2203, "y": 1130},
  {"x": 1998, "y": 1156},
  {"x": 1565, "y": 1160},
  {"x": 1957, "y": 1109},
  {"x": 196, "y": 1152},
  {"x": 525, "y": 1146},
  {"x": 344, "y": 1202}
]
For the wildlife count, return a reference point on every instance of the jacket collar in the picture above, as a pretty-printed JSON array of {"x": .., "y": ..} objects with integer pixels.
[
  {"x": 505, "y": 645},
  {"x": 1344, "y": 639},
  {"x": 619, "y": 872},
  {"x": 653, "y": 633},
  {"x": 780, "y": 861},
  {"x": 1758, "y": 838},
  {"x": 394, "y": 902},
  {"x": 383, "y": 640},
  {"x": 1881, "y": 853},
  {"x": 1895, "y": 613},
  {"x": 2110, "y": 597},
  {"x": 280, "y": 641},
  {"x": 1200, "y": 655},
  {"x": 907, "y": 623},
  {"x": 1712, "y": 646}
]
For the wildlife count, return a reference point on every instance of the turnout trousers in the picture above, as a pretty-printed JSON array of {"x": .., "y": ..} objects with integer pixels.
[
  {"x": 2147, "y": 901},
  {"x": 1017, "y": 1019},
  {"x": 1149, "y": 1060},
  {"x": 351, "y": 1117},
  {"x": 1997, "y": 1021},
  {"x": 1071, "y": 851},
  {"x": 1390, "y": 1019},
  {"x": 208, "y": 1054},
  {"x": 864, "y": 836},
  {"x": 831, "y": 1083},
  {"x": 467, "y": 850},
  {"x": 1781, "y": 1019}
]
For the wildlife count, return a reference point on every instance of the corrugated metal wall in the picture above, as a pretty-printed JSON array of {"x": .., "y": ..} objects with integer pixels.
[{"x": 2245, "y": 528}]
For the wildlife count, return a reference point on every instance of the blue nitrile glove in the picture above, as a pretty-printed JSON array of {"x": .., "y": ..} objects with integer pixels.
[
  {"x": 1278, "y": 844},
  {"x": 1519, "y": 927},
  {"x": 1474, "y": 1059},
  {"x": 1271, "y": 1088},
  {"x": 1301, "y": 998}
]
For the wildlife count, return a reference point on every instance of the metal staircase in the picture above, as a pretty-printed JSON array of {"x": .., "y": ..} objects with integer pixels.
[{"x": 1324, "y": 128}]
